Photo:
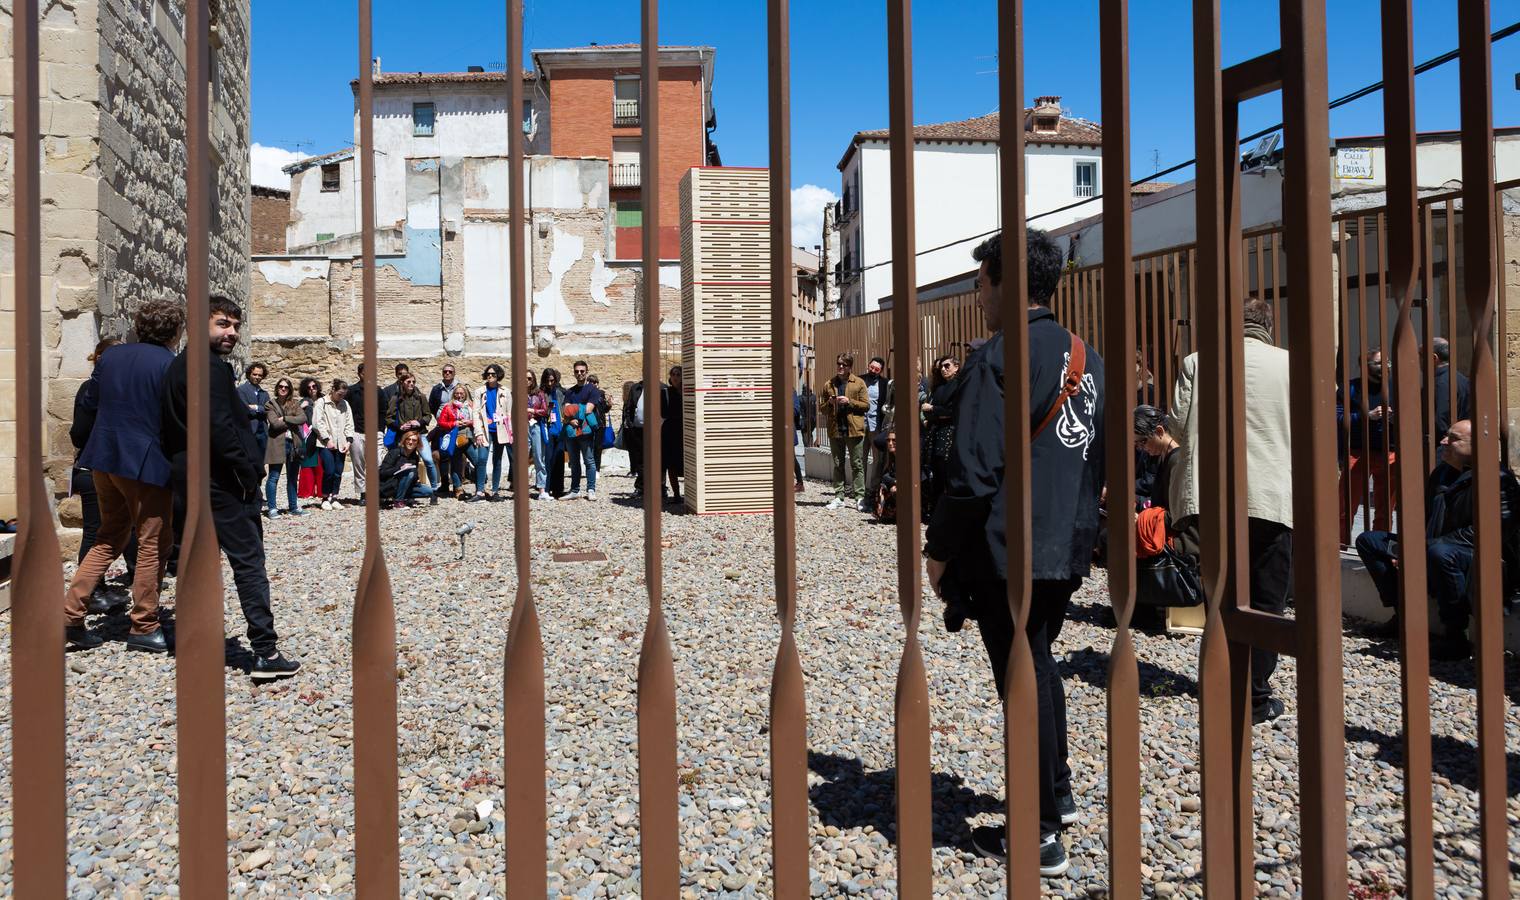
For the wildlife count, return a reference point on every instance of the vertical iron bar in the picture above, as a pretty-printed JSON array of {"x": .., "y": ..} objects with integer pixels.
[
  {"x": 526, "y": 842},
  {"x": 1210, "y": 305},
  {"x": 914, "y": 804},
  {"x": 1400, "y": 236},
  {"x": 1428, "y": 309},
  {"x": 39, "y": 784},
  {"x": 1316, "y": 564},
  {"x": 1343, "y": 377},
  {"x": 200, "y": 657},
  {"x": 1362, "y": 487},
  {"x": 1478, "y": 259},
  {"x": 1385, "y": 340},
  {"x": 1118, "y": 341},
  {"x": 1449, "y": 290},
  {"x": 376, "y": 850},
  {"x": 659, "y": 825},
  {"x": 1020, "y": 719},
  {"x": 788, "y": 706}
]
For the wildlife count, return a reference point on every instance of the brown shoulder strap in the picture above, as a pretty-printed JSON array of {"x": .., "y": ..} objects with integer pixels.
[{"x": 1070, "y": 387}]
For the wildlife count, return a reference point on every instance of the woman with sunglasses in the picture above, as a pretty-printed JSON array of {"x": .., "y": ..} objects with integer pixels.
[
  {"x": 493, "y": 428},
  {"x": 285, "y": 416},
  {"x": 308, "y": 391},
  {"x": 937, "y": 407}
]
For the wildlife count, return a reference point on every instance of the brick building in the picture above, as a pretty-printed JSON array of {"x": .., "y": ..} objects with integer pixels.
[
  {"x": 595, "y": 99},
  {"x": 269, "y": 214},
  {"x": 113, "y": 190}
]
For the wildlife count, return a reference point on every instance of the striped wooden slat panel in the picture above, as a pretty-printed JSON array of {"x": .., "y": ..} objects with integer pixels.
[{"x": 725, "y": 340}]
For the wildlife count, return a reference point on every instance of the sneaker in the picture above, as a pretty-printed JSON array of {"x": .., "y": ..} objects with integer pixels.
[
  {"x": 326, "y": 505},
  {"x": 862, "y": 506},
  {"x": 836, "y": 503},
  {"x": 1266, "y": 710},
  {"x": 295, "y": 511},
  {"x": 272, "y": 513},
  {"x": 433, "y": 500},
  {"x": 274, "y": 666},
  {"x": 991, "y": 842},
  {"x": 1066, "y": 806},
  {"x": 797, "y": 489},
  {"x": 77, "y": 637},
  {"x": 591, "y": 495}
]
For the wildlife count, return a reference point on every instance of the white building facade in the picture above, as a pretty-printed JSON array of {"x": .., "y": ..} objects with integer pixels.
[{"x": 957, "y": 195}]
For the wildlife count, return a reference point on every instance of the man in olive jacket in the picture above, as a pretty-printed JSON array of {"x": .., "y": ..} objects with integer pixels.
[
  {"x": 966, "y": 542},
  {"x": 844, "y": 402}
]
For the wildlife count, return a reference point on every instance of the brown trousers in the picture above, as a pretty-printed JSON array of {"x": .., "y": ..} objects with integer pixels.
[{"x": 125, "y": 506}]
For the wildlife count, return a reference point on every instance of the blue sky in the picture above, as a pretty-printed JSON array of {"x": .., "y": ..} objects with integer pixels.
[{"x": 304, "y": 55}]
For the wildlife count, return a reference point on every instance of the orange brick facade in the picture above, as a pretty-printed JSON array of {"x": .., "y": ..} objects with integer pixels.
[
  {"x": 581, "y": 110},
  {"x": 270, "y": 212}
]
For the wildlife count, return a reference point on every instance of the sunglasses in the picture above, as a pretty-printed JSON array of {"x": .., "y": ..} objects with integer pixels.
[{"x": 947, "y": 365}]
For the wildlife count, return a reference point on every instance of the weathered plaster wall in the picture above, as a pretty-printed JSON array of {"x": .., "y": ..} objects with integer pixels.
[{"x": 315, "y": 212}]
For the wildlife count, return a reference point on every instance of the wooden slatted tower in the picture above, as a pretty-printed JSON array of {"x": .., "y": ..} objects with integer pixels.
[{"x": 725, "y": 339}]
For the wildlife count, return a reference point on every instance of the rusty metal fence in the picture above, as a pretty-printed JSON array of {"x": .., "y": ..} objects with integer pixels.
[{"x": 1138, "y": 313}]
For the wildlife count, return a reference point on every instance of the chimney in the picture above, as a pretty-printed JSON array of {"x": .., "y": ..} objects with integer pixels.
[
  {"x": 475, "y": 69},
  {"x": 1046, "y": 114},
  {"x": 375, "y": 67}
]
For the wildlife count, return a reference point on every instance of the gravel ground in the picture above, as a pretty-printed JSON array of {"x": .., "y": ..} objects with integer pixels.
[{"x": 289, "y": 756}]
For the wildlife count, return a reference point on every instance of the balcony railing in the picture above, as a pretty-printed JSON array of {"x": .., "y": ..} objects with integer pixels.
[
  {"x": 625, "y": 112},
  {"x": 625, "y": 175}
]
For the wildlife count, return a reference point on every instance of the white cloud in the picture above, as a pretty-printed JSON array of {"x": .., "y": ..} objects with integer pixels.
[
  {"x": 808, "y": 202},
  {"x": 266, "y": 162}
]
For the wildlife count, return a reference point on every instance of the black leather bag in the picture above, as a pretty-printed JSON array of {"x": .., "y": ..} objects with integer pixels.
[{"x": 1168, "y": 579}]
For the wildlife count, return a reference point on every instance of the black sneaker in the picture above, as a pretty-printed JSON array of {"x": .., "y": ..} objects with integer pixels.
[
  {"x": 77, "y": 637},
  {"x": 433, "y": 500},
  {"x": 273, "y": 667},
  {"x": 1066, "y": 807},
  {"x": 1266, "y": 710},
  {"x": 991, "y": 842}
]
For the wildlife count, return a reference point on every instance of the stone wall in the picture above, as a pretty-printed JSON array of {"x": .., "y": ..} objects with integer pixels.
[{"x": 113, "y": 188}]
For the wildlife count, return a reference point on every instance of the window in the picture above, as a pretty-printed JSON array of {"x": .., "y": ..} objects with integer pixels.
[
  {"x": 331, "y": 180},
  {"x": 625, "y": 162},
  {"x": 625, "y": 100},
  {"x": 529, "y": 124},
  {"x": 627, "y": 229},
  {"x": 1086, "y": 179},
  {"x": 422, "y": 120}
]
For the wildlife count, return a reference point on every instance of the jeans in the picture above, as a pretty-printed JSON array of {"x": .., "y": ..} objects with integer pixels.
[
  {"x": 536, "y": 454},
  {"x": 1448, "y": 560},
  {"x": 1271, "y": 546},
  {"x": 477, "y": 455},
  {"x": 332, "y": 470},
  {"x": 583, "y": 456},
  {"x": 1047, "y": 613},
  {"x": 408, "y": 488},
  {"x": 272, "y": 483},
  {"x": 427, "y": 459},
  {"x": 1379, "y": 551},
  {"x": 496, "y": 450},
  {"x": 854, "y": 487}
]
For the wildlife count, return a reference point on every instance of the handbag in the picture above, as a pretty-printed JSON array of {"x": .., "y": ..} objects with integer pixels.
[
  {"x": 390, "y": 437},
  {"x": 609, "y": 437},
  {"x": 1168, "y": 579},
  {"x": 293, "y": 456}
]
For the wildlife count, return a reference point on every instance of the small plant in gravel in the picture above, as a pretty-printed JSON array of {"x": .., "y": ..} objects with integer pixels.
[
  {"x": 311, "y": 697},
  {"x": 689, "y": 778},
  {"x": 1375, "y": 888},
  {"x": 479, "y": 779}
]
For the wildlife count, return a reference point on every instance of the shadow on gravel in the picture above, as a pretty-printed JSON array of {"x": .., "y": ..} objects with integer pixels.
[
  {"x": 1146, "y": 620},
  {"x": 1455, "y": 760},
  {"x": 1092, "y": 667},
  {"x": 851, "y": 797},
  {"x": 1460, "y": 674}
]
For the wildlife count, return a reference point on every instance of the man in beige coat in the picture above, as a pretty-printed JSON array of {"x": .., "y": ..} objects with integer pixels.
[{"x": 1269, "y": 480}]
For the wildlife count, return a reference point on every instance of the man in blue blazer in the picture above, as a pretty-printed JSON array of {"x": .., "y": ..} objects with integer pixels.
[{"x": 131, "y": 475}]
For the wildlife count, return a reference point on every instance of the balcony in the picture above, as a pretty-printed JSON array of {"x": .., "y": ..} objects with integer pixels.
[
  {"x": 625, "y": 112},
  {"x": 625, "y": 175}
]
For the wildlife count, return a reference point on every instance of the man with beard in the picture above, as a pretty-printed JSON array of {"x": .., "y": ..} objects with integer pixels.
[{"x": 1375, "y": 453}]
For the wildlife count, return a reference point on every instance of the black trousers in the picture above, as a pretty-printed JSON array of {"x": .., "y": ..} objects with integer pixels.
[
  {"x": 1047, "y": 613},
  {"x": 1271, "y": 546},
  {"x": 240, "y": 532}
]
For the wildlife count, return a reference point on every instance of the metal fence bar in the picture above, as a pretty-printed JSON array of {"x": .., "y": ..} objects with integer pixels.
[
  {"x": 1428, "y": 302},
  {"x": 1390, "y": 398},
  {"x": 1449, "y": 291},
  {"x": 1402, "y": 240},
  {"x": 525, "y": 842},
  {"x": 788, "y": 706},
  {"x": 1119, "y": 386},
  {"x": 1316, "y": 564},
  {"x": 1363, "y": 274},
  {"x": 1479, "y": 258},
  {"x": 915, "y": 812},
  {"x": 1216, "y": 768},
  {"x": 659, "y": 823},
  {"x": 1343, "y": 376},
  {"x": 376, "y": 831},
  {"x": 1019, "y": 704},
  {"x": 39, "y": 784},
  {"x": 200, "y": 652}
]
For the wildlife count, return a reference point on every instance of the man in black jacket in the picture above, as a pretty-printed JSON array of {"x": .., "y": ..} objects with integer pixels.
[
  {"x": 1449, "y": 541},
  {"x": 1441, "y": 387},
  {"x": 234, "y": 482},
  {"x": 966, "y": 541},
  {"x": 633, "y": 430}
]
